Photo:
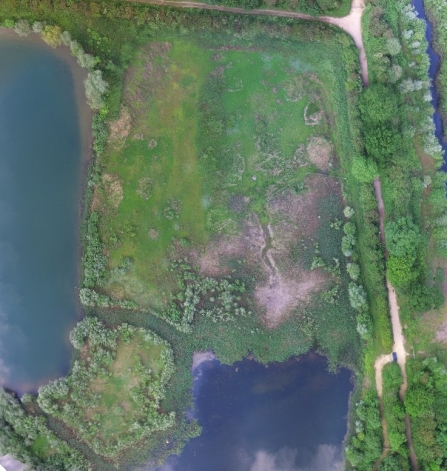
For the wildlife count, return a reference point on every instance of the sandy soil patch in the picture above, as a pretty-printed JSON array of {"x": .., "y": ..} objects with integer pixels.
[
  {"x": 113, "y": 189},
  {"x": 312, "y": 119},
  {"x": 320, "y": 152},
  {"x": 201, "y": 357},
  {"x": 247, "y": 245},
  {"x": 120, "y": 128},
  {"x": 281, "y": 296}
]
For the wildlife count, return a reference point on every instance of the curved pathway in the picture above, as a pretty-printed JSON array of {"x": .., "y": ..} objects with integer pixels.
[{"x": 351, "y": 23}]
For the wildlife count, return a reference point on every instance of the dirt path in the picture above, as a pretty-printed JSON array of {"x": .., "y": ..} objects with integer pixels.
[
  {"x": 398, "y": 346},
  {"x": 351, "y": 23}
]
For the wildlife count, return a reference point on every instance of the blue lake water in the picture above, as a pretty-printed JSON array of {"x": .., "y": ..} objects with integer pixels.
[
  {"x": 289, "y": 416},
  {"x": 40, "y": 191}
]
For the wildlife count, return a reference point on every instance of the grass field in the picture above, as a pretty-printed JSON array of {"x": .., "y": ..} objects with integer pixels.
[{"x": 206, "y": 136}]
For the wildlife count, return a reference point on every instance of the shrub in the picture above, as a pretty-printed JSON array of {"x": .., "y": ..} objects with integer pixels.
[
  {"x": 38, "y": 27},
  {"x": 364, "y": 170},
  {"x": 348, "y": 212},
  {"x": 393, "y": 46},
  {"x": 95, "y": 88},
  {"x": 22, "y": 28},
  {"x": 353, "y": 270},
  {"x": 100, "y": 133},
  {"x": 52, "y": 35},
  {"x": 357, "y": 296}
]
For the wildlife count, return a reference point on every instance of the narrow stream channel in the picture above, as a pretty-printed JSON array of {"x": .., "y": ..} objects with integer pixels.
[{"x": 433, "y": 70}]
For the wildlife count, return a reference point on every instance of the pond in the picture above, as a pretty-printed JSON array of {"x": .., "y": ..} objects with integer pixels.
[
  {"x": 42, "y": 143},
  {"x": 289, "y": 416}
]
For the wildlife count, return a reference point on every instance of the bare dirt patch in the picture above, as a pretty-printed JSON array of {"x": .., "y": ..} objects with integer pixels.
[
  {"x": 282, "y": 295},
  {"x": 297, "y": 215},
  {"x": 113, "y": 189},
  {"x": 247, "y": 245},
  {"x": 320, "y": 152},
  {"x": 120, "y": 129},
  {"x": 283, "y": 284}
]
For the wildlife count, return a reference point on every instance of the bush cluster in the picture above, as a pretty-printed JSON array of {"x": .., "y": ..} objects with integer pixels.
[
  {"x": 27, "y": 438},
  {"x": 73, "y": 400},
  {"x": 394, "y": 413},
  {"x": 365, "y": 446},
  {"x": 426, "y": 404}
]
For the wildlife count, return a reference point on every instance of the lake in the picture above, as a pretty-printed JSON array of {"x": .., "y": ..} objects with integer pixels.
[
  {"x": 289, "y": 416},
  {"x": 41, "y": 167}
]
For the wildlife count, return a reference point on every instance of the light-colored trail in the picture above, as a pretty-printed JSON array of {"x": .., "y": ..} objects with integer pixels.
[
  {"x": 351, "y": 23},
  {"x": 398, "y": 345}
]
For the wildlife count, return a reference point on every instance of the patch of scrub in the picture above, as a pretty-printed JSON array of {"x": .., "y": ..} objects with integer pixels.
[{"x": 111, "y": 399}]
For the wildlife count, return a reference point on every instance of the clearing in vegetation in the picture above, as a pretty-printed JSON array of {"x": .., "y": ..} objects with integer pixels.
[{"x": 222, "y": 156}]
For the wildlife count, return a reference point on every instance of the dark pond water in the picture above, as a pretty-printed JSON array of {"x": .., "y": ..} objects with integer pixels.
[
  {"x": 433, "y": 70},
  {"x": 40, "y": 183},
  {"x": 289, "y": 416}
]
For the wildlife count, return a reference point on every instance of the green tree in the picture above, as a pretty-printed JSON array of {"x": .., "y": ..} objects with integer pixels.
[
  {"x": 402, "y": 237},
  {"x": 401, "y": 270},
  {"x": 418, "y": 400},
  {"x": 364, "y": 169},
  {"x": 381, "y": 141},
  {"x": 377, "y": 104}
]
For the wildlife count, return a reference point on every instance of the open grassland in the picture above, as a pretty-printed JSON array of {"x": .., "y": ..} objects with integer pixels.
[
  {"x": 229, "y": 157},
  {"x": 153, "y": 196},
  {"x": 208, "y": 139}
]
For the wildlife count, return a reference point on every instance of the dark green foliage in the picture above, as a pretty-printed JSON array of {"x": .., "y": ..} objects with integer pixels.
[
  {"x": 381, "y": 141},
  {"x": 94, "y": 259},
  {"x": 100, "y": 133},
  {"x": 425, "y": 298},
  {"x": 365, "y": 446},
  {"x": 313, "y": 7},
  {"x": 378, "y": 103},
  {"x": 27, "y": 438},
  {"x": 403, "y": 237},
  {"x": 426, "y": 403},
  {"x": 364, "y": 169},
  {"x": 394, "y": 463},
  {"x": 394, "y": 410}
]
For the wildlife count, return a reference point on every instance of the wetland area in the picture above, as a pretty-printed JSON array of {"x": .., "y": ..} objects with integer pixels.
[{"x": 43, "y": 149}]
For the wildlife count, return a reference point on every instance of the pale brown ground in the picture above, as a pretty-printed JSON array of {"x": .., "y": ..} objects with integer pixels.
[
  {"x": 282, "y": 284},
  {"x": 320, "y": 152},
  {"x": 120, "y": 129},
  {"x": 113, "y": 189}
]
